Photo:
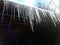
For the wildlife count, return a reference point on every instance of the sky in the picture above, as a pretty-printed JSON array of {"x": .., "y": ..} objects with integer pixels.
[{"x": 45, "y": 4}]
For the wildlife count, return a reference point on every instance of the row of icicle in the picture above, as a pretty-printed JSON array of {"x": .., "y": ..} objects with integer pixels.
[{"x": 33, "y": 13}]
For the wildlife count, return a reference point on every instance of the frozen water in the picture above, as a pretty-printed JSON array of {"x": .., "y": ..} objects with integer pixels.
[{"x": 37, "y": 14}]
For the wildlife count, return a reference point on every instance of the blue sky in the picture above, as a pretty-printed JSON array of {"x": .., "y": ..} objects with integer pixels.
[
  {"x": 34, "y": 3},
  {"x": 54, "y": 5}
]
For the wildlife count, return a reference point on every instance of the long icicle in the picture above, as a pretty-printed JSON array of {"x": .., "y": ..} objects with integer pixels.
[
  {"x": 31, "y": 19},
  {"x": 14, "y": 12},
  {"x": 18, "y": 12},
  {"x": 10, "y": 22},
  {"x": 23, "y": 15},
  {"x": 3, "y": 12}
]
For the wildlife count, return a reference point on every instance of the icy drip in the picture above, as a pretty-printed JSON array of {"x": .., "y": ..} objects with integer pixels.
[
  {"x": 14, "y": 12},
  {"x": 8, "y": 30},
  {"x": 53, "y": 17},
  {"x": 45, "y": 15},
  {"x": 23, "y": 15},
  {"x": 37, "y": 16},
  {"x": 26, "y": 14},
  {"x": 30, "y": 15},
  {"x": 3, "y": 12},
  {"x": 18, "y": 12},
  {"x": 58, "y": 17},
  {"x": 7, "y": 6}
]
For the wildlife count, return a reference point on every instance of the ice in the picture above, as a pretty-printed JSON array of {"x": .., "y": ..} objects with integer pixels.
[
  {"x": 18, "y": 12},
  {"x": 38, "y": 16},
  {"x": 14, "y": 12},
  {"x": 53, "y": 17},
  {"x": 3, "y": 12},
  {"x": 30, "y": 13}
]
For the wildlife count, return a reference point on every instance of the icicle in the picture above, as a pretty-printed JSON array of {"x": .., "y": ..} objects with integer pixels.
[
  {"x": 53, "y": 17},
  {"x": 31, "y": 18},
  {"x": 28, "y": 11},
  {"x": 10, "y": 21},
  {"x": 3, "y": 11},
  {"x": 59, "y": 20},
  {"x": 11, "y": 11},
  {"x": 24, "y": 14},
  {"x": 7, "y": 7},
  {"x": 14, "y": 12},
  {"x": 22, "y": 11},
  {"x": 45, "y": 15},
  {"x": 58, "y": 17},
  {"x": 38, "y": 16},
  {"x": 18, "y": 12}
]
